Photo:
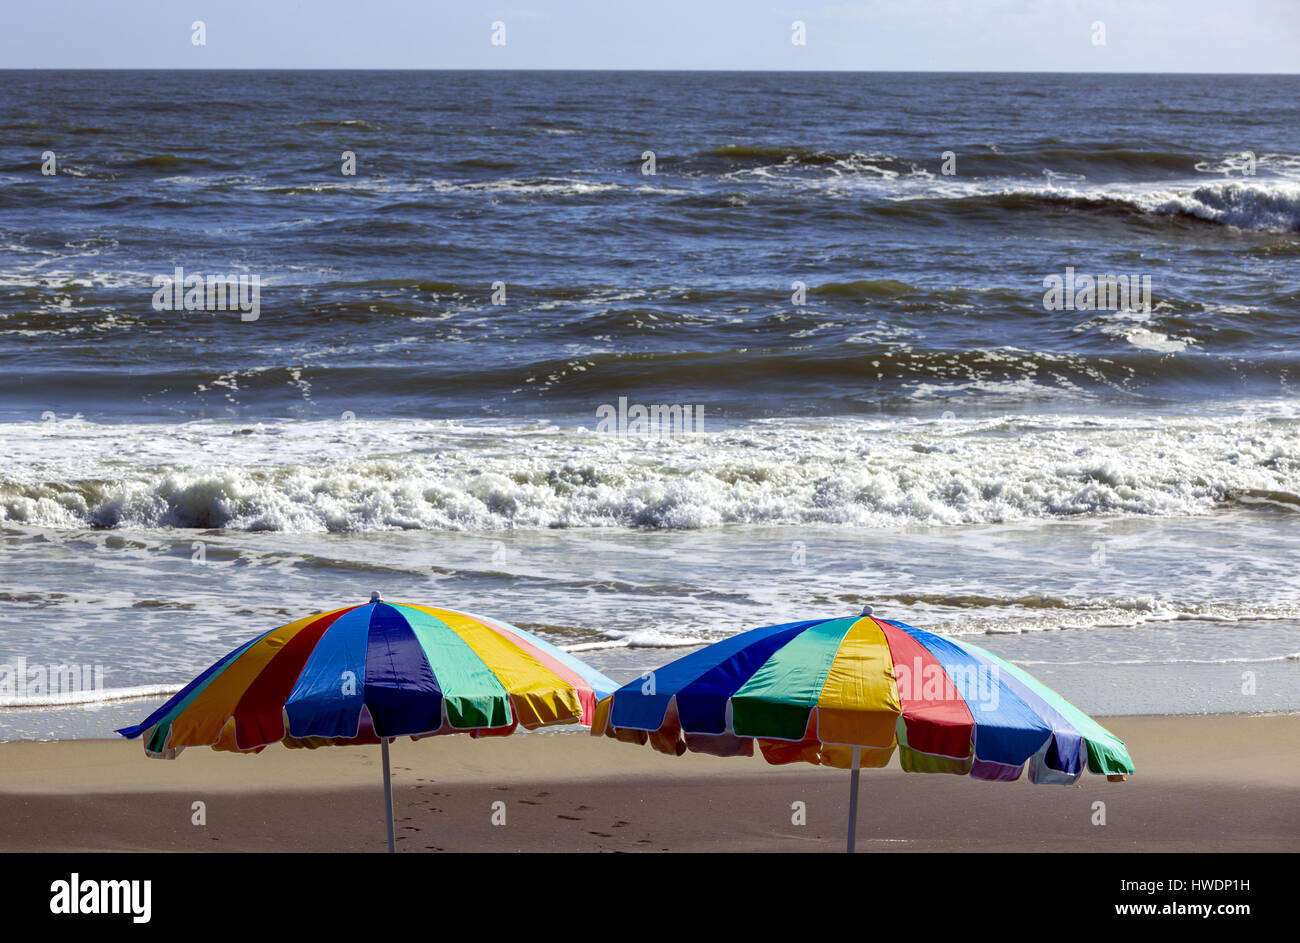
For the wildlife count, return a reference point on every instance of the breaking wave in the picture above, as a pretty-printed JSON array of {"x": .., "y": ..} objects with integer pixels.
[{"x": 313, "y": 477}]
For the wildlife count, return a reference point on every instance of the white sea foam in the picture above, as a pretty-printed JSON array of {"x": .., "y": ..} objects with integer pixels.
[
  {"x": 1135, "y": 327},
  {"x": 316, "y": 477},
  {"x": 1268, "y": 206},
  {"x": 1271, "y": 204},
  {"x": 88, "y": 698}
]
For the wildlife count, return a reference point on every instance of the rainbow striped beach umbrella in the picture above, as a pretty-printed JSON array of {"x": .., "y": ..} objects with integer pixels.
[
  {"x": 848, "y": 692},
  {"x": 366, "y": 674}
]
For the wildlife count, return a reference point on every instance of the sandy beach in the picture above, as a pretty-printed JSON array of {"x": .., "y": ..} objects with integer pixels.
[{"x": 1204, "y": 783}]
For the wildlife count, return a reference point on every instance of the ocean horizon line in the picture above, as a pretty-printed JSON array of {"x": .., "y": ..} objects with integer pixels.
[{"x": 637, "y": 70}]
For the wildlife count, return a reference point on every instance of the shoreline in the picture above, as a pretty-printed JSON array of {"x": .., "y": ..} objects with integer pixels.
[{"x": 1227, "y": 782}]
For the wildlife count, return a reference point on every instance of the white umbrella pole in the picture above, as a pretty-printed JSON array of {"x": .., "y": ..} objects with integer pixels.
[
  {"x": 388, "y": 795},
  {"x": 853, "y": 800}
]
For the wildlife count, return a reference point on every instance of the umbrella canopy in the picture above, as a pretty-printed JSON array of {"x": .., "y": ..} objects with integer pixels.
[
  {"x": 369, "y": 673},
  {"x": 849, "y": 692},
  {"x": 381, "y": 669}
]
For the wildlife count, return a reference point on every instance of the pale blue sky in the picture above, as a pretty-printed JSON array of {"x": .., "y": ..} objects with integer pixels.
[{"x": 997, "y": 35}]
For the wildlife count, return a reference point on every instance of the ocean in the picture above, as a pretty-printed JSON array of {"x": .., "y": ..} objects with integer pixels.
[{"x": 639, "y": 360}]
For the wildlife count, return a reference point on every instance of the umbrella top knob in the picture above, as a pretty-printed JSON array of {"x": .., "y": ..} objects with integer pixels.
[
  {"x": 866, "y": 610},
  {"x": 374, "y": 596}
]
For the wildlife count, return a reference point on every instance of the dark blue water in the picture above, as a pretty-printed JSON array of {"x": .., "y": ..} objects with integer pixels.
[{"x": 924, "y": 290}]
